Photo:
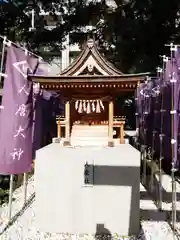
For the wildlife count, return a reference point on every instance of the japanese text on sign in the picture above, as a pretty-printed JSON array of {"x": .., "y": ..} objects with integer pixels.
[
  {"x": 21, "y": 110},
  {"x": 16, "y": 154}
]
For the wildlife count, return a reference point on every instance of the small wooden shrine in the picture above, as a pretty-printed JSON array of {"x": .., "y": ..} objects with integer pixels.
[{"x": 90, "y": 86}]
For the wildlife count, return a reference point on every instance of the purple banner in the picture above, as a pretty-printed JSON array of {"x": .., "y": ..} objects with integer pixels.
[
  {"x": 160, "y": 112},
  {"x": 175, "y": 81},
  {"x": 16, "y": 117},
  {"x": 177, "y": 62}
]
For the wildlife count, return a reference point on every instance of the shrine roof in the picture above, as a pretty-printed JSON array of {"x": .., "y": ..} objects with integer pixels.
[
  {"x": 90, "y": 60},
  {"x": 90, "y": 78},
  {"x": 90, "y": 67}
]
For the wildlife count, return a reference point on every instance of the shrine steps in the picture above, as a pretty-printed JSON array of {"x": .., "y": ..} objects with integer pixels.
[
  {"x": 85, "y": 135},
  {"x": 89, "y": 142}
]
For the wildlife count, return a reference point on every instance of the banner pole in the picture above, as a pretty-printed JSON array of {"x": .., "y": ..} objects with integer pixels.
[
  {"x": 173, "y": 141},
  {"x": 10, "y": 197},
  {"x": 25, "y": 187},
  {"x": 145, "y": 145},
  {"x": 8, "y": 43},
  {"x": 2, "y": 59},
  {"x": 152, "y": 161},
  {"x": 161, "y": 156},
  {"x": 161, "y": 135},
  {"x": 144, "y": 161}
]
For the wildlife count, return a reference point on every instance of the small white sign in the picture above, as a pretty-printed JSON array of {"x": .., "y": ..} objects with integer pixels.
[{"x": 88, "y": 174}]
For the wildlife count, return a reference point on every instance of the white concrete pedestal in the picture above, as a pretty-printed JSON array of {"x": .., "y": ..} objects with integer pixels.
[{"x": 110, "y": 203}]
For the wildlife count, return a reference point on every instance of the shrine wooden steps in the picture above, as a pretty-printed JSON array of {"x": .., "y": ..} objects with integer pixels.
[{"x": 89, "y": 135}]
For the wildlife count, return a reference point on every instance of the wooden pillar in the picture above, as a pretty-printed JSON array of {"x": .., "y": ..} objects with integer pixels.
[
  {"x": 122, "y": 133},
  {"x": 58, "y": 128},
  {"x": 67, "y": 123},
  {"x": 110, "y": 130}
]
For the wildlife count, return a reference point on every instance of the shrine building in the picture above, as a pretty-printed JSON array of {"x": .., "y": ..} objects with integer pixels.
[{"x": 90, "y": 87}]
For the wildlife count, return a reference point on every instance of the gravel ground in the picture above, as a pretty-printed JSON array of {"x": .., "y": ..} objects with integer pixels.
[{"x": 154, "y": 223}]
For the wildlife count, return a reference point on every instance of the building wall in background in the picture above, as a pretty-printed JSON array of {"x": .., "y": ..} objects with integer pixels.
[{"x": 61, "y": 60}]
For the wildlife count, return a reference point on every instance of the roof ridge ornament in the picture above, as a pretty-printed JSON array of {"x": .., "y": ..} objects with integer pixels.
[
  {"x": 90, "y": 43},
  {"x": 90, "y": 67}
]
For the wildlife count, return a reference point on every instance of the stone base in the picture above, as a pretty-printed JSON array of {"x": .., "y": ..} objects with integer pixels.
[
  {"x": 66, "y": 143},
  {"x": 110, "y": 143},
  {"x": 56, "y": 140}
]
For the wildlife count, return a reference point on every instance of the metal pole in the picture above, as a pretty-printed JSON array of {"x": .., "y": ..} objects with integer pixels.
[
  {"x": 144, "y": 159},
  {"x": 137, "y": 115},
  {"x": 173, "y": 115},
  {"x": 161, "y": 135},
  {"x": 25, "y": 187},
  {"x": 160, "y": 174},
  {"x": 8, "y": 43},
  {"x": 152, "y": 166},
  {"x": 10, "y": 197},
  {"x": 145, "y": 148},
  {"x": 151, "y": 187},
  {"x": 2, "y": 58},
  {"x": 32, "y": 19},
  {"x": 154, "y": 132},
  {"x": 161, "y": 150}
]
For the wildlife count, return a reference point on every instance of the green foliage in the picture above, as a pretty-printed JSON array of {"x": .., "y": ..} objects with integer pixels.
[
  {"x": 132, "y": 35},
  {"x": 4, "y": 185}
]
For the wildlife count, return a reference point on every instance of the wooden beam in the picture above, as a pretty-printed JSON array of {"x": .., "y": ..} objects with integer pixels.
[
  {"x": 67, "y": 123},
  {"x": 58, "y": 128},
  {"x": 110, "y": 126},
  {"x": 90, "y": 78}
]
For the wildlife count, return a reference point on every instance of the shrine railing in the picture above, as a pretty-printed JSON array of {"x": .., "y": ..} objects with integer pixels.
[
  {"x": 60, "y": 118},
  {"x": 119, "y": 119}
]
